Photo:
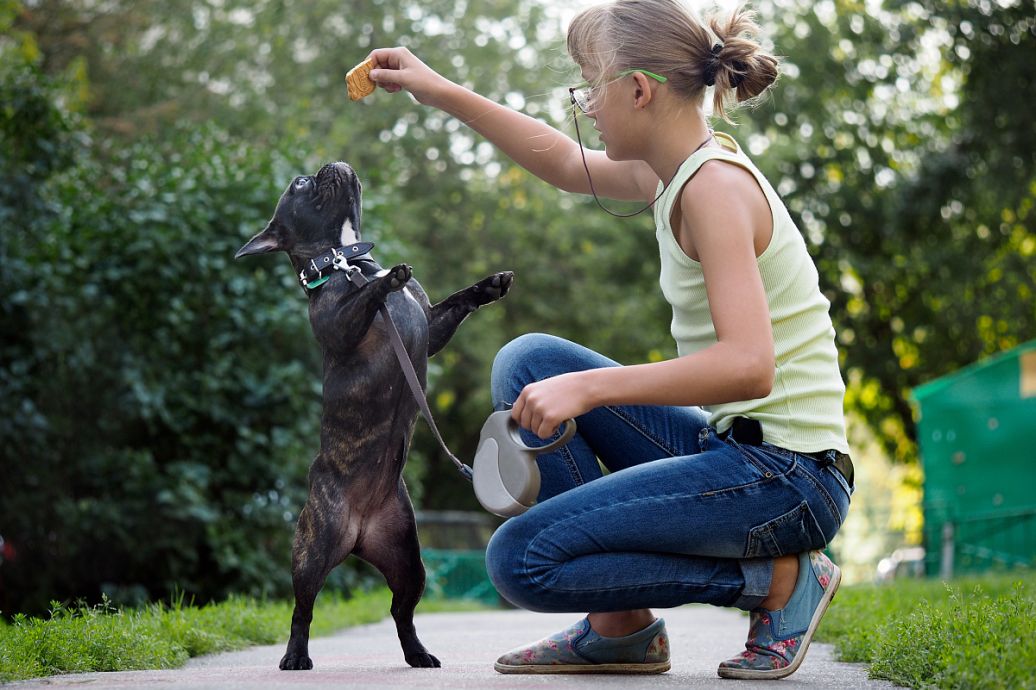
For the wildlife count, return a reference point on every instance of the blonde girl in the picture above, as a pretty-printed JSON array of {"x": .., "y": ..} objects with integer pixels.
[{"x": 728, "y": 465}]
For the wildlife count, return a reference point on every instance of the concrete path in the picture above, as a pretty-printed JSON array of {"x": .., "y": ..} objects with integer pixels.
[{"x": 467, "y": 644}]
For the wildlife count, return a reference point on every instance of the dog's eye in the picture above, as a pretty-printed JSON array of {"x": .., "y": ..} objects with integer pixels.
[{"x": 301, "y": 182}]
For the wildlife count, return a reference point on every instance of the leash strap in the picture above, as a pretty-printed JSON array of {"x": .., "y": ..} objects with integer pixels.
[
  {"x": 403, "y": 356},
  {"x": 415, "y": 388}
]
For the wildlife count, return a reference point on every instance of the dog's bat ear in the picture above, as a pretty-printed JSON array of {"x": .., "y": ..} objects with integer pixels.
[{"x": 269, "y": 240}]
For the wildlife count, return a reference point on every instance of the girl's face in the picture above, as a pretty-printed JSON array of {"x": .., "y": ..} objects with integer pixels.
[{"x": 608, "y": 106}]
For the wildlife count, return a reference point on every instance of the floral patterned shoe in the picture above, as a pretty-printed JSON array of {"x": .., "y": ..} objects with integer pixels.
[
  {"x": 581, "y": 650},
  {"x": 777, "y": 640}
]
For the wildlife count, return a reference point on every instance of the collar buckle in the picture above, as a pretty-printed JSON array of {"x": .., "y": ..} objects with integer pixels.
[{"x": 341, "y": 262}]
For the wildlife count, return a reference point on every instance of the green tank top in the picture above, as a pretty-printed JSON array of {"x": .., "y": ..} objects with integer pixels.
[{"x": 803, "y": 411}]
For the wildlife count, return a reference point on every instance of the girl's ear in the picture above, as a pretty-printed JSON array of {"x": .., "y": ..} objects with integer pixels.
[{"x": 642, "y": 93}]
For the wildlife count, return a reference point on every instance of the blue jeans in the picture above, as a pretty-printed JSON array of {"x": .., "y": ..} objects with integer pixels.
[{"x": 682, "y": 516}]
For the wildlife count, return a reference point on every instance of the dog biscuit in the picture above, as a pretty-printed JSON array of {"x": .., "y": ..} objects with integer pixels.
[{"x": 359, "y": 81}]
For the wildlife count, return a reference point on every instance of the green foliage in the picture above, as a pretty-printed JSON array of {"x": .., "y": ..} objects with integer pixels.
[
  {"x": 973, "y": 634},
  {"x": 434, "y": 196},
  {"x": 104, "y": 638},
  {"x": 160, "y": 401},
  {"x": 909, "y": 171}
]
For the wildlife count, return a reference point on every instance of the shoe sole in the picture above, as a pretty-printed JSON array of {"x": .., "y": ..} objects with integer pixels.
[
  {"x": 774, "y": 674},
  {"x": 628, "y": 669}
]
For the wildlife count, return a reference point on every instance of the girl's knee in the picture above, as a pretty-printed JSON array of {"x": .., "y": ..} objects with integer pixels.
[
  {"x": 507, "y": 566},
  {"x": 517, "y": 364}
]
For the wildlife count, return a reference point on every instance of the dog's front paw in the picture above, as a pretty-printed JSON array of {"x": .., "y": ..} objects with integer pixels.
[
  {"x": 493, "y": 287},
  {"x": 398, "y": 276},
  {"x": 422, "y": 660},
  {"x": 296, "y": 662}
]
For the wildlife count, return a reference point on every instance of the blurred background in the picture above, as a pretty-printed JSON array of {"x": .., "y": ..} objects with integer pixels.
[{"x": 159, "y": 402}]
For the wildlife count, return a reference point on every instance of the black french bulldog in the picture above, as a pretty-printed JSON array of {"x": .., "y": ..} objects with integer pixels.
[{"x": 357, "y": 500}]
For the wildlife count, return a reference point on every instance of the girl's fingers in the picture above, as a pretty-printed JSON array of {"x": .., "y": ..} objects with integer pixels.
[{"x": 386, "y": 57}]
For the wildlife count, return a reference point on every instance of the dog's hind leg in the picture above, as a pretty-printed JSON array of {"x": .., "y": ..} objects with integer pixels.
[
  {"x": 447, "y": 315},
  {"x": 322, "y": 541},
  {"x": 389, "y": 542}
]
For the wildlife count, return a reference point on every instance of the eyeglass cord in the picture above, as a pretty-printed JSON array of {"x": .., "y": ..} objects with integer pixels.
[{"x": 582, "y": 152}]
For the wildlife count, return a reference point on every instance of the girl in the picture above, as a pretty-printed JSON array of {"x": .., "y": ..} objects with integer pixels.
[{"x": 727, "y": 465}]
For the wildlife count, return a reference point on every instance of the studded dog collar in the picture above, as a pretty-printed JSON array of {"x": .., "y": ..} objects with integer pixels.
[{"x": 320, "y": 268}]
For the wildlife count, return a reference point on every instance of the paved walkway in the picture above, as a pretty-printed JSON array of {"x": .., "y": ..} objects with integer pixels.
[{"x": 467, "y": 644}]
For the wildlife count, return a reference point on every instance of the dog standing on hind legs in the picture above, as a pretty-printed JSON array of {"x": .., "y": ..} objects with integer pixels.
[{"x": 357, "y": 501}]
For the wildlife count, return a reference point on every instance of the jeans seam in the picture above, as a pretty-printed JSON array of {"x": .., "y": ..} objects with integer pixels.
[
  {"x": 824, "y": 494},
  {"x": 840, "y": 478},
  {"x": 668, "y": 583},
  {"x": 779, "y": 450},
  {"x": 570, "y": 463},
  {"x": 717, "y": 492},
  {"x": 768, "y": 475},
  {"x": 643, "y": 432}
]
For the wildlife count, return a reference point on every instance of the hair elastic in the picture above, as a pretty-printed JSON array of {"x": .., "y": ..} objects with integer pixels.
[{"x": 712, "y": 66}]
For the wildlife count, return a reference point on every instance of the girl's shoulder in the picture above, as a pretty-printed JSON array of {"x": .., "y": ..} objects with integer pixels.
[
  {"x": 722, "y": 176},
  {"x": 723, "y": 180},
  {"x": 724, "y": 194}
]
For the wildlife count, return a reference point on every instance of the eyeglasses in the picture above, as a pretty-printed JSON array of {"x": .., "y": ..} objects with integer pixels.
[{"x": 582, "y": 94}]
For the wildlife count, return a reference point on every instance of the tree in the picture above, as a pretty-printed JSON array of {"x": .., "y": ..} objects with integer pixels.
[{"x": 878, "y": 137}]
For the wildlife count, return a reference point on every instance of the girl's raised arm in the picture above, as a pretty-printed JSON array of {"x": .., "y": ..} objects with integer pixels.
[{"x": 536, "y": 146}]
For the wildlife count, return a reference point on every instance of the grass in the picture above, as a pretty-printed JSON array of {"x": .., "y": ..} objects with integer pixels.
[
  {"x": 970, "y": 633},
  {"x": 102, "y": 638},
  {"x": 976, "y": 633}
]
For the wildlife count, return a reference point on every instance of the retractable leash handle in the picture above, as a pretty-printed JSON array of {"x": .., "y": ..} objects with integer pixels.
[{"x": 507, "y": 479}]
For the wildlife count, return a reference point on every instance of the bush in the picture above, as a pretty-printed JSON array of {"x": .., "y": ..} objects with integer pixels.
[{"x": 159, "y": 402}]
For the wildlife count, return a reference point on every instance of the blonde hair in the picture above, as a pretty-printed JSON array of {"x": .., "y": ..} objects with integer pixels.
[{"x": 662, "y": 36}]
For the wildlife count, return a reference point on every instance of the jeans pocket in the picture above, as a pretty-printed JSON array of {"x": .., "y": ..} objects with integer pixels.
[{"x": 796, "y": 531}]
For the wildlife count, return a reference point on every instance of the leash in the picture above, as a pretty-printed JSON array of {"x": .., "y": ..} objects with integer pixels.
[
  {"x": 338, "y": 259},
  {"x": 415, "y": 388}
]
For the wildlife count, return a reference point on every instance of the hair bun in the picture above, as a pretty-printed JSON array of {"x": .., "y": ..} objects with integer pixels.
[{"x": 747, "y": 70}]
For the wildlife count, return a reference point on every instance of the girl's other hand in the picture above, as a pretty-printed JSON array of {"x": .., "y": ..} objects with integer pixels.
[{"x": 398, "y": 68}]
